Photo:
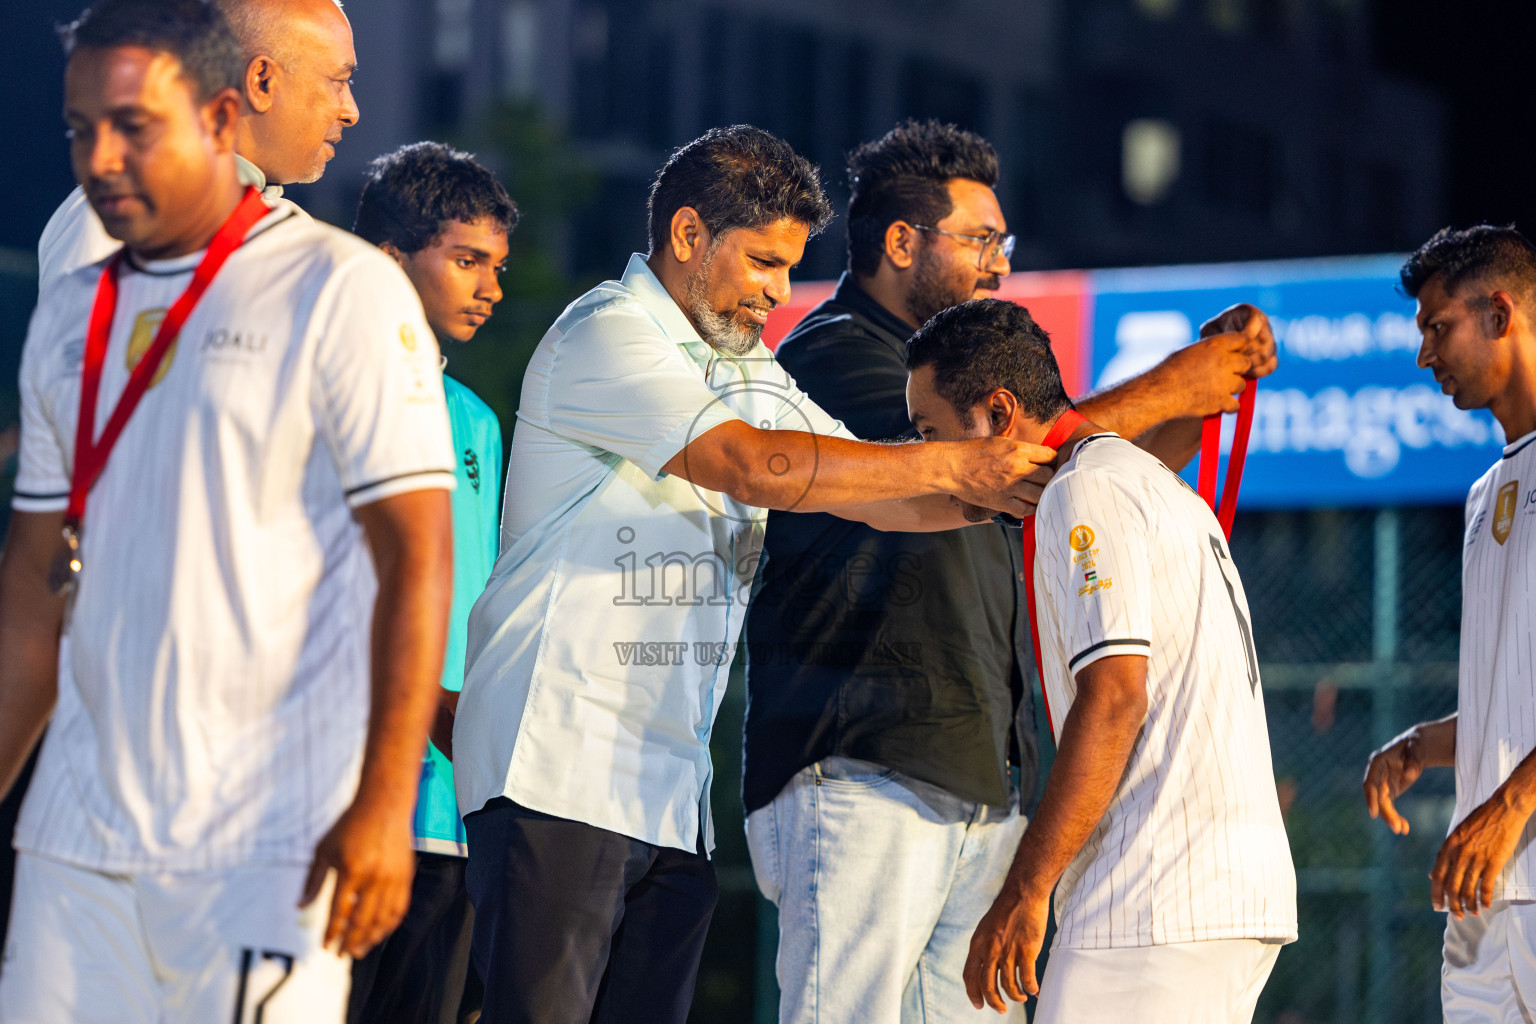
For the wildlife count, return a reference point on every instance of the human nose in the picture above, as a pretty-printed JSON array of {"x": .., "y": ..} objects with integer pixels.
[
  {"x": 995, "y": 256},
  {"x": 349, "y": 112},
  {"x": 104, "y": 153},
  {"x": 777, "y": 288},
  {"x": 490, "y": 287},
  {"x": 1426, "y": 353}
]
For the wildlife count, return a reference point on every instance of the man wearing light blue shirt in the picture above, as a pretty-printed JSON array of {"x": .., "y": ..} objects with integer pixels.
[{"x": 655, "y": 431}]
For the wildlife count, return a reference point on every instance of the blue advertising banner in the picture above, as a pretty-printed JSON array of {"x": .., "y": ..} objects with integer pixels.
[{"x": 1348, "y": 419}]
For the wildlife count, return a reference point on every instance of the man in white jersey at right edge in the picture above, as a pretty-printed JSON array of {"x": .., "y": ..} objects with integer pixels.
[
  {"x": 1476, "y": 292},
  {"x": 295, "y": 100},
  {"x": 221, "y": 810},
  {"x": 1159, "y": 829}
]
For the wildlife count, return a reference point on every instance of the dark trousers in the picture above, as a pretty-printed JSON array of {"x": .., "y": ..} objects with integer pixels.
[
  {"x": 419, "y": 975},
  {"x": 578, "y": 925}
]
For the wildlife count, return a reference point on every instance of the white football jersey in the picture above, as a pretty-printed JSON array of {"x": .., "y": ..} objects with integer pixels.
[
  {"x": 214, "y": 682},
  {"x": 1130, "y": 561},
  {"x": 1496, "y": 698}
]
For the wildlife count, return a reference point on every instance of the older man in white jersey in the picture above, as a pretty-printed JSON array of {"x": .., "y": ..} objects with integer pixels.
[
  {"x": 1476, "y": 291},
  {"x": 1160, "y": 820},
  {"x": 295, "y": 99},
  {"x": 219, "y": 425}
]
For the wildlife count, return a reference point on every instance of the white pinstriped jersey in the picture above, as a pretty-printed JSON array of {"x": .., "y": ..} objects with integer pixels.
[
  {"x": 1131, "y": 561},
  {"x": 213, "y": 688},
  {"x": 1496, "y": 698}
]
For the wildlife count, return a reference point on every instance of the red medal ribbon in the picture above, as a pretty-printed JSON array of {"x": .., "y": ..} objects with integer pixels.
[
  {"x": 1210, "y": 454},
  {"x": 90, "y": 453},
  {"x": 1059, "y": 432}
]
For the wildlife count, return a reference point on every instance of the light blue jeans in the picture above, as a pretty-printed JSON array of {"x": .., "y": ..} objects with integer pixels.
[{"x": 880, "y": 880}]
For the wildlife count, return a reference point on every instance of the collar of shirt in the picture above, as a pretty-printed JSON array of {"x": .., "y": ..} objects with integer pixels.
[
  {"x": 857, "y": 299},
  {"x": 644, "y": 285},
  {"x": 250, "y": 174},
  {"x": 1518, "y": 443}
]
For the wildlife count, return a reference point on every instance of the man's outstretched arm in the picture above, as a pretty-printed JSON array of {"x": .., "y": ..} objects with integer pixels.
[
  {"x": 31, "y": 615},
  {"x": 411, "y": 538},
  {"x": 1095, "y": 745},
  {"x": 890, "y": 486},
  {"x": 1161, "y": 410}
]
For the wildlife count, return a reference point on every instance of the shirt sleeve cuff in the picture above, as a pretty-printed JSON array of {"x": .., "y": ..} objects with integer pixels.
[
  {"x": 25, "y": 501},
  {"x": 1106, "y": 649},
  {"x": 402, "y": 483},
  {"x": 681, "y": 436}
]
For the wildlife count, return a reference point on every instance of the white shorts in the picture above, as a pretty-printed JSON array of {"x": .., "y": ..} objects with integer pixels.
[
  {"x": 1489, "y": 975},
  {"x": 1215, "y": 982},
  {"x": 91, "y": 948}
]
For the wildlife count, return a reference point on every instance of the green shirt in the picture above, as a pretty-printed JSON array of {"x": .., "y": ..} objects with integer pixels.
[{"x": 476, "y": 524}]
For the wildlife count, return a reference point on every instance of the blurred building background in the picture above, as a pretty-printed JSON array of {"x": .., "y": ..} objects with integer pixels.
[
  {"x": 1132, "y": 133},
  {"x": 1130, "y": 130}
]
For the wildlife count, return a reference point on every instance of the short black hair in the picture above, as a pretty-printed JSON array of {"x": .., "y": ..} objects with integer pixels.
[
  {"x": 193, "y": 31},
  {"x": 412, "y": 194},
  {"x": 737, "y": 177},
  {"x": 904, "y": 175},
  {"x": 985, "y": 344},
  {"x": 1499, "y": 255}
]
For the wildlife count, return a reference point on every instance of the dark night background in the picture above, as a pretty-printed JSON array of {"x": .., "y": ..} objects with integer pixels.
[{"x": 1476, "y": 55}]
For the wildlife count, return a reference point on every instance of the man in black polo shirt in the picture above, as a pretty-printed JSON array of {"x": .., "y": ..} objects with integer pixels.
[{"x": 886, "y": 672}]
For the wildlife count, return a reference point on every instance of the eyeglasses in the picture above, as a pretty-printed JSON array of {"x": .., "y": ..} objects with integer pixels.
[{"x": 993, "y": 244}]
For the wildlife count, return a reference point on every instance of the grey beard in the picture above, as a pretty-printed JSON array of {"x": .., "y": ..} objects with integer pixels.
[
  {"x": 725, "y": 332},
  {"x": 722, "y": 330}
]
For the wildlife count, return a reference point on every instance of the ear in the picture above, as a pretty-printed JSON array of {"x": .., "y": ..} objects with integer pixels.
[
  {"x": 220, "y": 115},
  {"x": 688, "y": 236},
  {"x": 1002, "y": 408},
  {"x": 393, "y": 251},
  {"x": 261, "y": 76},
  {"x": 1501, "y": 313},
  {"x": 901, "y": 244}
]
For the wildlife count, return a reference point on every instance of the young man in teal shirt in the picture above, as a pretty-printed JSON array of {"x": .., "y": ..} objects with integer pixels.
[{"x": 445, "y": 219}]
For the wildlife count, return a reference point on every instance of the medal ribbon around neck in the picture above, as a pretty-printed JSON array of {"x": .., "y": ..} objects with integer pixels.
[
  {"x": 90, "y": 453},
  {"x": 1054, "y": 438},
  {"x": 1210, "y": 454}
]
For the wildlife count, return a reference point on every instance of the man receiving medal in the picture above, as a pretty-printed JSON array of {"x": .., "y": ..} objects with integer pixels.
[{"x": 221, "y": 423}]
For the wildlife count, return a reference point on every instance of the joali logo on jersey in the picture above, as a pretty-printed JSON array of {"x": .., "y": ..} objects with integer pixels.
[
  {"x": 226, "y": 340},
  {"x": 408, "y": 337},
  {"x": 142, "y": 336},
  {"x": 1081, "y": 538},
  {"x": 1504, "y": 510}
]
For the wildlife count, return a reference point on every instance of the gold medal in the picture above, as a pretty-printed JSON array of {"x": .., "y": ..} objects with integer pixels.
[{"x": 64, "y": 573}]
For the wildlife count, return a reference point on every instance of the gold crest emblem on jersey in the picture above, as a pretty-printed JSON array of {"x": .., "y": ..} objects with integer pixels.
[
  {"x": 408, "y": 337},
  {"x": 1504, "y": 510},
  {"x": 142, "y": 336},
  {"x": 1081, "y": 538}
]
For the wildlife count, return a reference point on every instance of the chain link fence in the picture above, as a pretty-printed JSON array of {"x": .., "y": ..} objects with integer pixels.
[{"x": 1356, "y": 618}]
